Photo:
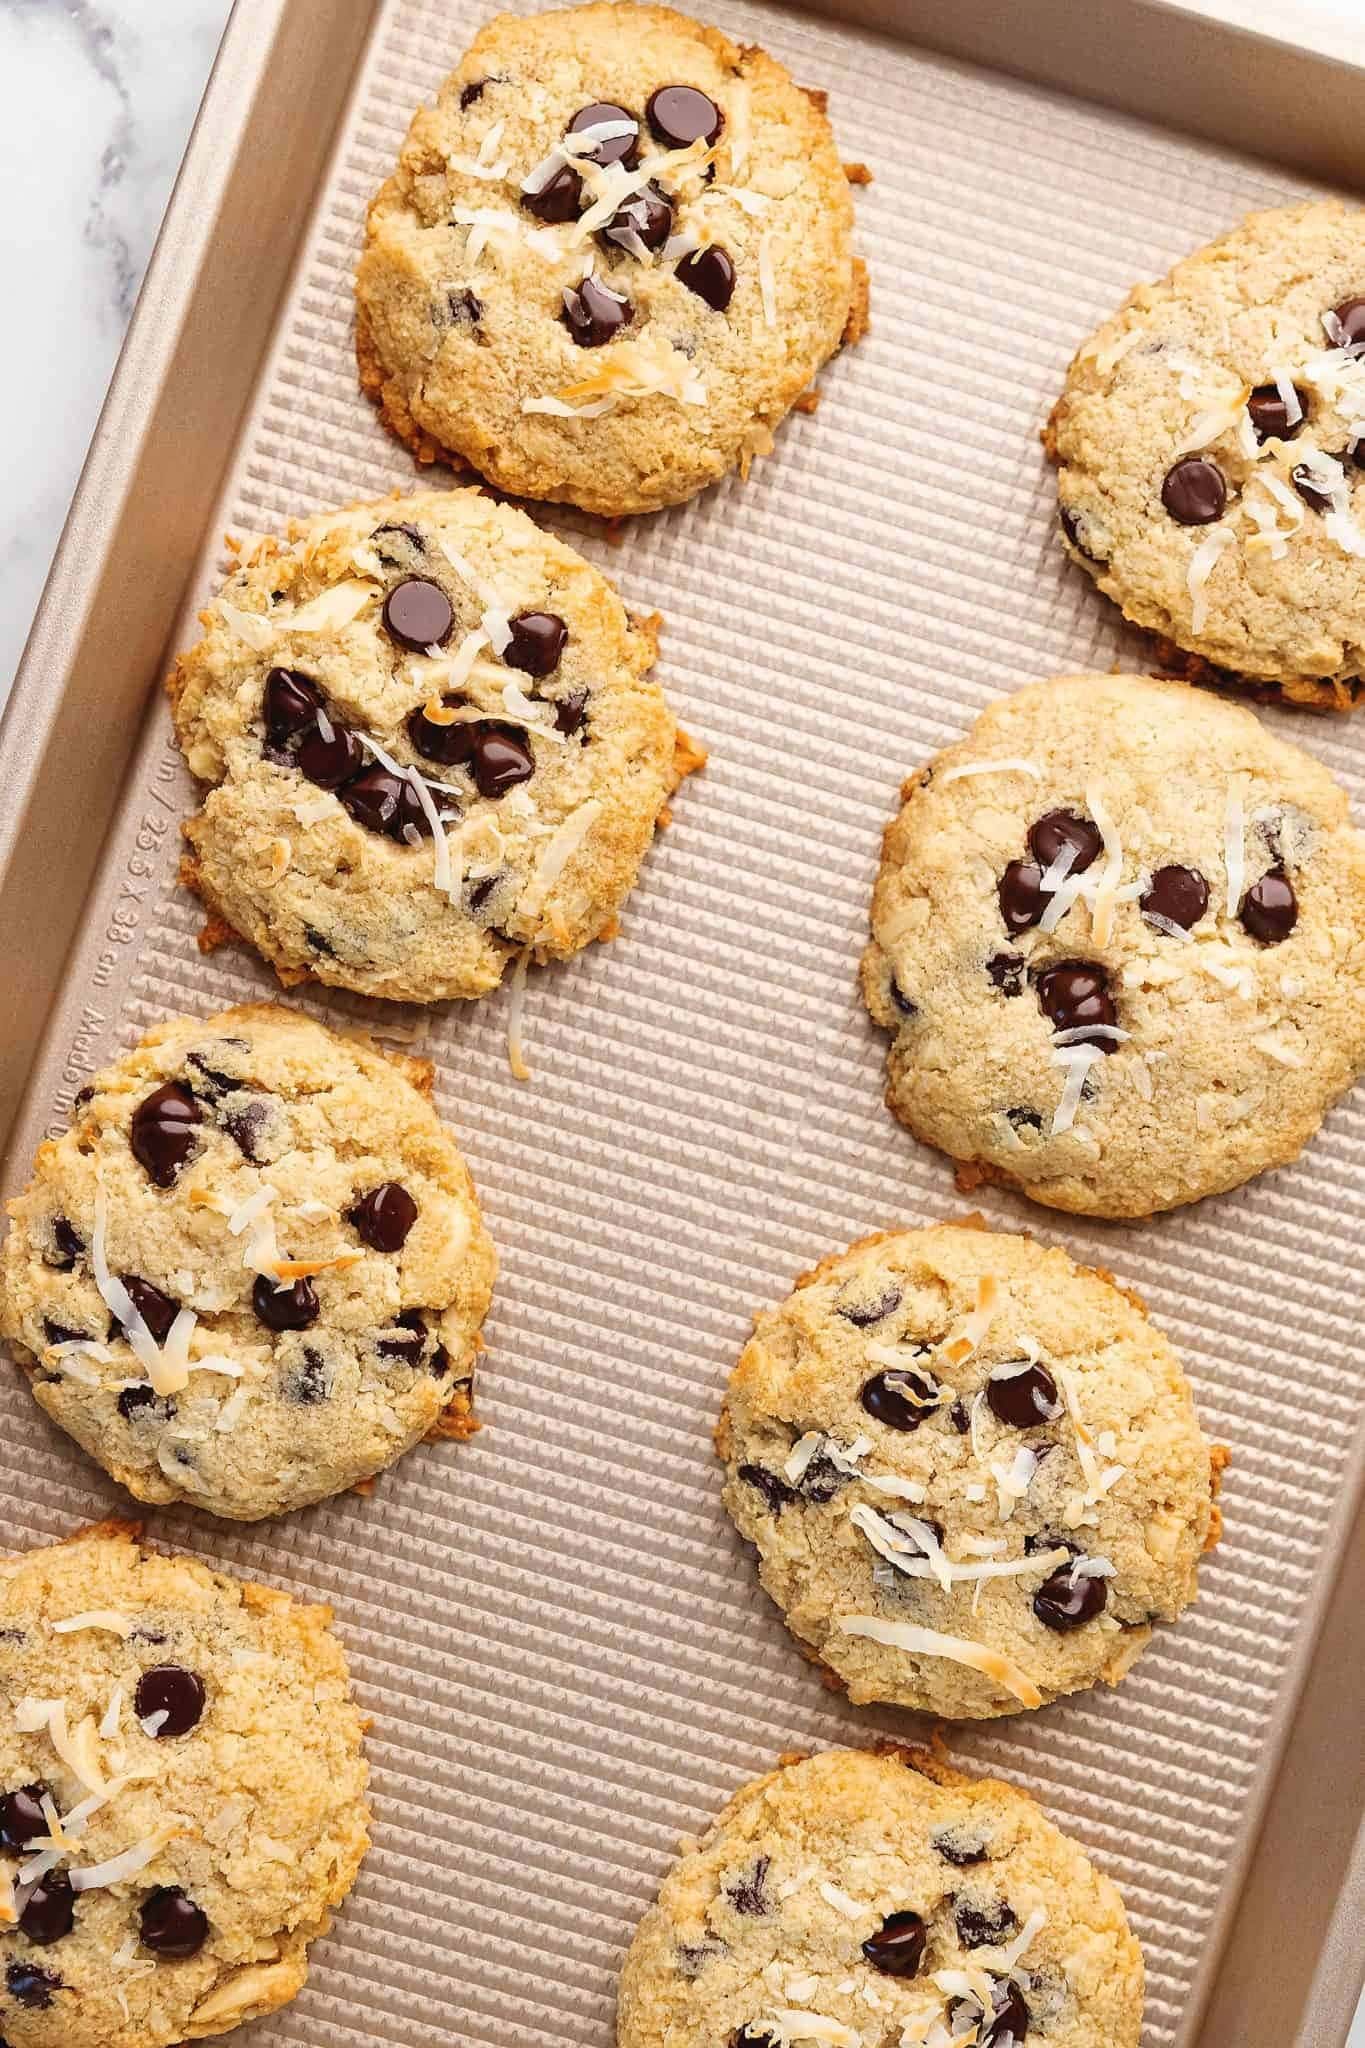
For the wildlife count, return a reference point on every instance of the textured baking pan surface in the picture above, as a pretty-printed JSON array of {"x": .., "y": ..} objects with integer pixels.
[{"x": 567, "y": 1656}]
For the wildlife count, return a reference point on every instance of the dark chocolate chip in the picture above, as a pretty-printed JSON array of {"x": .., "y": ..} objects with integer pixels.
[
  {"x": 162, "y": 1134},
  {"x": 292, "y": 701},
  {"x": 559, "y": 199},
  {"x": 645, "y": 217},
  {"x": 897, "y": 1948},
  {"x": 820, "y": 1481},
  {"x": 400, "y": 530},
  {"x": 959, "y": 1417},
  {"x": 1269, "y": 415},
  {"x": 902, "y": 1399},
  {"x": 773, "y": 1487},
  {"x": 450, "y": 745},
  {"x": 900, "y": 1000},
  {"x": 407, "y": 1340},
  {"x": 863, "y": 1313},
  {"x": 464, "y": 308},
  {"x": 51, "y": 1910},
  {"x": 502, "y": 759},
  {"x": 569, "y": 711},
  {"x": 1065, "y": 1601},
  {"x": 754, "y": 2037},
  {"x": 680, "y": 114},
  {"x": 215, "y": 1078},
  {"x": 134, "y": 1401},
  {"x": 621, "y": 149},
  {"x": 1023, "y": 1400},
  {"x": 594, "y": 314},
  {"x": 538, "y": 640},
  {"x": 387, "y": 803},
  {"x": 984, "y": 1926},
  {"x": 417, "y": 613},
  {"x": 21, "y": 1816},
  {"x": 156, "y": 1309},
  {"x": 471, "y": 92},
  {"x": 61, "y": 1333},
  {"x": 306, "y": 1384},
  {"x": 329, "y": 753},
  {"x": 1071, "y": 527},
  {"x": 284, "y": 1308},
  {"x": 1194, "y": 491},
  {"x": 1074, "y": 996},
  {"x": 1270, "y": 909},
  {"x": 749, "y": 1894},
  {"x": 384, "y": 1216},
  {"x": 1351, "y": 314},
  {"x": 1009, "y": 2021},
  {"x": 1020, "y": 896},
  {"x": 1023, "y": 1119},
  {"x": 244, "y": 1124},
  {"x": 171, "y": 1924},
  {"x": 960, "y": 1850},
  {"x": 438, "y": 1365},
  {"x": 1061, "y": 829},
  {"x": 170, "y": 1690},
  {"x": 1006, "y": 970},
  {"x": 480, "y": 891},
  {"x": 68, "y": 1241},
  {"x": 29, "y": 1986},
  {"x": 709, "y": 273},
  {"x": 1309, "y": 484},
  {"x": 1180, "y": 895},
  {"x": 318, "y": 940}
]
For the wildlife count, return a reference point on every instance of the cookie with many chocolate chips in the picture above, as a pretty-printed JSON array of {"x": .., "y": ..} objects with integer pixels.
[
  {"x": 431, "y": 741},
  {"x": 860, "y": 1900},
  {"x": 1208, "y": 452},
  {"x": 253, "y": 1272},
  {"x": 1119, "y": 939},
  {"x": 611, "y": 258},
  {"x": 971, "y": 1469},
  {"x": 182, "y": 1795}
]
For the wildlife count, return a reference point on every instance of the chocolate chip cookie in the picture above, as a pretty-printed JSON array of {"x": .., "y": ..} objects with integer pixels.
[
  {"x": 972, "y": 1471},
  {"x": 860, "y": 1901},
  {"x": 431, "y": 742},
  {"x": 253, "y": 1271},
  {"x": 1209, "y": 450},
  {"x": 1119, "y": 939},
  {"x": 182, "y": 1795},
  {"x": 611, "y": 257}
]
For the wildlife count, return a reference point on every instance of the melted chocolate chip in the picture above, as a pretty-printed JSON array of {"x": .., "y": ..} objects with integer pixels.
[
  {"x": 1006, "y": 970},
  {"x": 1023, "y": 1119},
  {"x": 244, "y": 1124},
  {"x": 51, "y": 1910},
  {"x": 1022, "y": 1400},
  {"x": 1194, "y": 491},
  {"x": 1061, "y": 829},
  {"x": 1020, "y": 896},
  {"x": 387, "y": 803},
  {"x": 1009, "y": 2021},
  {"x": 502, "y": 759},
  {"x": 171, "y": 1924},
  {"x": 156, "y": 1309},
  {"x": 897, "y": 1948},
  {"x": 753, "y": 2037},
  {"x": 620, "y": 149},
  {"x": 1180, "y": 895},
  {"x": 1351, "y": 314},
  {"x": 21, "y": 1816},
  {"x": 1064, "y": 1601},
  {"x": 292, "y": 701},
  {"x": 318, "y": 940},
  {"x": 901, "y": 1399},
  {"x": 400, "y": 530},
  {"x": 480, "y": 891},
  {"x": 408, "y": 1340},
  {"x": 821, "y": 1480},
  {"x": 29, "y": 1986},
  {"x": 594, "y": 314},
  {"x": 709, "y": 273},
  {"x": 1071, "y": 527},
  {"x": 68, "y": 1241},
  {"x": 384, "y": 1216},
  {"x": 464, "y": 308},
  {"x": 538, "y": 640},
  {"x": 863, "y": 1313},
  {"x": 329, "y": 753},
  {"x": 1311, "y": 487},
  {"x": 960, "y": 1850},
  {"x": 1269, "y": 415},
  {"x": 645, "y": 217},
  {"x": 773, "y": 1487},
  {"x": 985, "y": 1926},
  {"x": 559, "y": 199},
  {"x": 417, "y": 613},
  {"x": 959, "y": 1417},
  {"x": 170, "y": 1690},
  {"x": 569, "y": 711},
  {"x": 1270, "y": 909},
  {"x": 450, "y": 745},
  {"x": 134, "y": 1401},
  {"x": 904, "y": 1003},
  {"x": 162, "y": 1134},
  {"x": 1074, "y": 996},
  {"x": 284, "y": 1308},
  {"x": 471, "y": 92},
  {"x": 61, "y": 1333},
  {"x": 680, "y": 114},
  {"x": 306, "y": 1384},
  {"x": 749, "y": 1894},
  {"x": 215, "y": 1078}
]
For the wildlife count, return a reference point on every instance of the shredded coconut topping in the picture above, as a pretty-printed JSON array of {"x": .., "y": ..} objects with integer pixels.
[
  {"x": 928, "y": 1642},
  {"x": 96, "y": 1618},
  {"x": 1007, "y": 765},
  {"x": 168, "y": 1369},
  {"x": 1202, "y": 564}
]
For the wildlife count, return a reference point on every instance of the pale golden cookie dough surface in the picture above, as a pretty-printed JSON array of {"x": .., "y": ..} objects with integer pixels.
[
  {"x": 545, "y": 758},
  {"x": 301, "y": 1240},
  {"x": 882, "y": 1901},
  {"x": 462, "y": 331},
  {"x": 1200, "y": 1001},
  {"x": 971, "y": 1469},
  {"x": 201, "y": 1852},
  {"x": 1230, "y": 379}
]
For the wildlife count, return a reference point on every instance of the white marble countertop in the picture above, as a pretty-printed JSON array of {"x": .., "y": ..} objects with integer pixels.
[{"x": 97, "y": 98}]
